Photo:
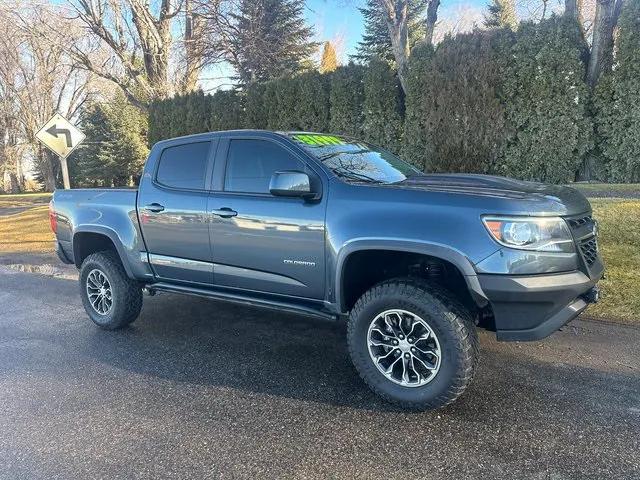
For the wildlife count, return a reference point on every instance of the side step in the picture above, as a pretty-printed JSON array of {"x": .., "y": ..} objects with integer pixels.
[{"x": 307, "y": 308}]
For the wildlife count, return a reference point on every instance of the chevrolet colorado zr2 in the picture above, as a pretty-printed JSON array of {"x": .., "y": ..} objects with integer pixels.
[{"x": 336, "y": 228}]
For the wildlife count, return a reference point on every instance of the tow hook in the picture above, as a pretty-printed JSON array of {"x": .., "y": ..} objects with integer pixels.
[{"x": 592, "y": 295}]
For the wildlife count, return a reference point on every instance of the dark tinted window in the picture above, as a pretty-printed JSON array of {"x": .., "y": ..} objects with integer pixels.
[
  {"x": 184, "y": 166},
  {"x": 251, "y": 163}
]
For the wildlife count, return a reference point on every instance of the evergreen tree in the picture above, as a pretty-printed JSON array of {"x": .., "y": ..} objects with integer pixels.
[
  {"x": 226, "y": 110},
  {"x": 501, "y": 14},
  {"x": 382, "y": 106},
  {"x": 116, "y": 145},
  {"x": 255, "y": 111},
  {"x": 197, "y": 115},
  {"x": 375, "y": 40},
  {"x": 617, "y": 102},
  {"x": 346, "y": 100},
  {"x": 272, "y": 40},
  {"x": 312, "y": 106},
  {"x": 545, "y": 99},
  {"x": 454, "y": 120},
  {"x": 329, "y": 61}
]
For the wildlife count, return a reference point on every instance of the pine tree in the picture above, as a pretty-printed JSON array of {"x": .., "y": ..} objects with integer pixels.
[
  {"x": 272, "y": 40},
  {"x": 501, "y": 14},
  {"x": 115, "y": 150},
  {"x": 329, "y": 61},
  {"x": 375, "y": 40}
]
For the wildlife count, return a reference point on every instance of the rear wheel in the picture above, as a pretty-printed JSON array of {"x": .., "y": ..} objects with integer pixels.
[
  {"x": 413, "y": 343},
  {"x": 111, "y": 299}
]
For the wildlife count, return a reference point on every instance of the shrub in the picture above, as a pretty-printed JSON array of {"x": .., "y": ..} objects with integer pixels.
[
  {"x": 225, "y": 110},
  {"x": 383, "y": 108},
  {"x": 454, "y": 121},
  {"x": 312, "y": 102},
  {"x": 617, "y": 103},
  {"x": 346, "y": 100},
  {"x": 545, "y": 100}
]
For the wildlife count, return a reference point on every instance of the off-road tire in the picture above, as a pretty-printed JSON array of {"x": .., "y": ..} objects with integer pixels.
[
  {"x": 126, "y": 293},
  {"x": 449, "y": 320}
]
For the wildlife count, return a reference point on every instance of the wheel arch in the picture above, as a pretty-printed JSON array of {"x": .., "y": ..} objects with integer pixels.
[
  {"x": 88, "y": 240},
  {"x": 433, "y": 250}
]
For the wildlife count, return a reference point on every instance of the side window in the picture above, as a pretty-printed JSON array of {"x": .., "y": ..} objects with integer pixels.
[
  {"x": 251, "y": 163},
  {"x": 184, "y": 166}
]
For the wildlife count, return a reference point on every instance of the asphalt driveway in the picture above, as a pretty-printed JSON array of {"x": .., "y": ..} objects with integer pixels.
[{"x": 199, "y": 389}]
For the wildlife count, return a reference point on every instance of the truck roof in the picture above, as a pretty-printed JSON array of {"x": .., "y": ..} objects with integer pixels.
[{"x": 250, "y": 131}]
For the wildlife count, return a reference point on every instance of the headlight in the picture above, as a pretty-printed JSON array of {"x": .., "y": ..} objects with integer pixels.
[{"x": 529, "y": 233}]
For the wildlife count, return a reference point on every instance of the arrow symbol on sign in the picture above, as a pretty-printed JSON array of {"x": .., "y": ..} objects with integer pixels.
[{"x": 54, "y": 131}]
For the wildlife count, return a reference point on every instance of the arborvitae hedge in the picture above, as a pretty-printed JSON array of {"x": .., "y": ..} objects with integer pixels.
[
  {"x": 617, "y": 103},
  {"x": 511, "y": 103},
  {"x": 383, "y": 106},
  {"x": 346, "y": 98},
  {"x": 455, "y": 121},
  {"x": 545, "y": 99}
]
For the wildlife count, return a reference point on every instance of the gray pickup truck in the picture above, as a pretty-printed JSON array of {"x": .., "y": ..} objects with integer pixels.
[{"x": 336, "y": 228}]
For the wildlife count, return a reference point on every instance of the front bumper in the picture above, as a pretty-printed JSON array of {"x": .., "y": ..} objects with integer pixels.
[{"x": 532, "y": 307}]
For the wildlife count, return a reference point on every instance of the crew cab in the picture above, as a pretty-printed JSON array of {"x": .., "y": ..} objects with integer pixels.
[{"x": 336, "y": 228}]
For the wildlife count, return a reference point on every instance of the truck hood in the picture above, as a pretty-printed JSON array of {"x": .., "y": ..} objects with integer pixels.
[{"x": 558, "y": 198}]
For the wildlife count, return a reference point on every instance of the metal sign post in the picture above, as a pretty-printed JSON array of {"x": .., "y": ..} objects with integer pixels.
[{"x": 61, "y": 137}]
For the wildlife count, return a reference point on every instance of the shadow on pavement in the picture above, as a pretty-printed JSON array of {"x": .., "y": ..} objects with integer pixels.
[{"x": 198, "y": 341}]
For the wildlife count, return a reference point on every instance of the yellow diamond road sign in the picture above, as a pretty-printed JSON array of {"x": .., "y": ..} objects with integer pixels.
[{"x": 60, "y": 136}]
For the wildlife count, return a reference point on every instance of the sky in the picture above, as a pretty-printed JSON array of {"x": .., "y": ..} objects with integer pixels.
[{"x": 341, "y": 19}]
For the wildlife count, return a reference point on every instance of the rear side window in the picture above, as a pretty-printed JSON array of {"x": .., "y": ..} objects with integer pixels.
[
  {"x": 184, "y": 166},
  {"x": 251, "y": 163}
]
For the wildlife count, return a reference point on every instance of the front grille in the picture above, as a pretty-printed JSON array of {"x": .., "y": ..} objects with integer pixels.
[
  {"x": 589, "y": 249},
  {"x": 578, "y": 222},
  {"x": 584, "y": 232}
]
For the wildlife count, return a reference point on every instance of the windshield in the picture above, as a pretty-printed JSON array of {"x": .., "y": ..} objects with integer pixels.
[{"x": 355, "y": 161}]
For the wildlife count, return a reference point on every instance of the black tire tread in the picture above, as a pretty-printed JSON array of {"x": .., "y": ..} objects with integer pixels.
[
  {"x": 433, "y": 297},
  {"x": 129, "y": 290}
]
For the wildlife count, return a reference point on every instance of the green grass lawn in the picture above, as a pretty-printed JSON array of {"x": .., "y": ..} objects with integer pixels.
[
  {"x": 619, "y": 221},
  {"x": 611, "y": 189},
  {"x": 619, "y": 242}
]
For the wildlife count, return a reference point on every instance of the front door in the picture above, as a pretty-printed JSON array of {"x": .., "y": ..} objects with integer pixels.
[
  {"x": 172, "y": 207},
  {"x": 265, "y": 243}
]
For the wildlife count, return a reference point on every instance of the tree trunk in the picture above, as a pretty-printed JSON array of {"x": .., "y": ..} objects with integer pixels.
[
  {"x": 396, "y": 12},
  {"x": 571, "y": 9},
  {"x": 601, "y": 58},
  {"x": 193, "y": 31},
  {"x": 432, "y": 18}
]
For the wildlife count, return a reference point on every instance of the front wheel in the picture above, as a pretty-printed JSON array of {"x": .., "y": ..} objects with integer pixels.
[
  {"x": 413, "y": 343},
  {"x": 111, "y": 299}
]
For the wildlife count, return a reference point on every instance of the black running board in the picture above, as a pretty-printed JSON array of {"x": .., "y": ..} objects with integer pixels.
[{"x": 306, "y": 308}]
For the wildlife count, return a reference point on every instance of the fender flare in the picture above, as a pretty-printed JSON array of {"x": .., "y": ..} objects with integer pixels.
[
  {"x": 443, "y": 252},
  {"x": 109, "y": 233}
]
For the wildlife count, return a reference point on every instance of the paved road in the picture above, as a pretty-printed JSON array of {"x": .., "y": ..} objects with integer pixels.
[{"x": 198, "y": 389}]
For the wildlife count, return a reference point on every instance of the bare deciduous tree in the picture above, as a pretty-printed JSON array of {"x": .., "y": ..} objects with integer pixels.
[
  {"x": 138, "y": 41},
  {"x": 396, "y": 16},
  {"x": 601, "y": 57},
  {"x": 38, "y": 78}
]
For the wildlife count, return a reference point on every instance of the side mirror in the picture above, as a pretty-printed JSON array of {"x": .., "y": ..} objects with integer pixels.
[{"x": 291, "y": 183}]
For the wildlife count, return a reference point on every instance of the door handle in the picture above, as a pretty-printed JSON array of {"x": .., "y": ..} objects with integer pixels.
[
  {"x": 224, "y": 212},
  {"x": 154, "y": 207}
]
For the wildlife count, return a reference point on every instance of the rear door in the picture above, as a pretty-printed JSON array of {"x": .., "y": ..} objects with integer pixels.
[
  {"x": 266, "y": 243},
  {"x": 172, "y": 208}
]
